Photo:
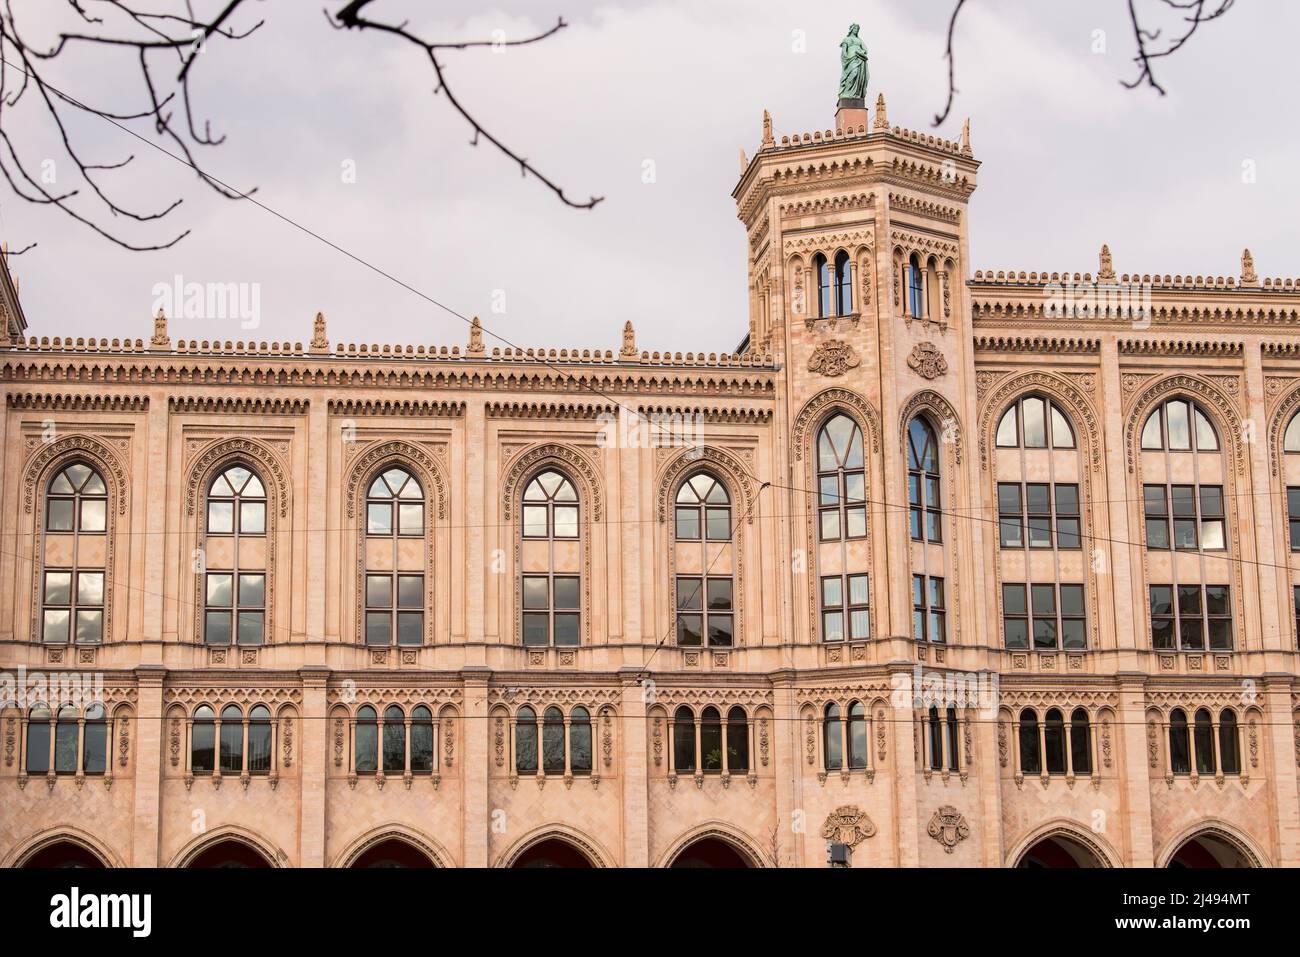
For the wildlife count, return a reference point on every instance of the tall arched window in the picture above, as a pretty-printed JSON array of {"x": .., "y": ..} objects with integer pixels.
[
  {"x": 954, "y": 739},
  {"x": 235, "y": 583},
  {"x": 1204, "y": 742},
  {"x": 1179, "y": 749},
  {"x": 737, "y": 740},
  {"x": 526, "y": 741},
  {"x": 705, "y": 586},
  {"x": 1030, "y": 759},
  {"x": 394, "y": 751},
  {"x": 259, "y": 739},
  {"x": 76, "y": 518},
  {"x": 1054, "y": 741},
  {"x": 857, "y": 735},
  {"x": 683, "y": 740},
  {"x": 65, "y": 740},
  {"x": 580, "y": 740},
  {"x": 553, "y": 740},
  {"x": 94, "y": 744},
  {"x": 825, "y": 289},
  {"x": 203, "y": 740},
  {"x": 421, "y": 739},
  {"x": 367, "y": 740},
  {"x": 1034, "y": 422},
  {"x": 1291, "y": 438},
  {"x": 832, "y": 737},
  {"x": 915, "y": 288},
  {"x": 711, "y": 739},
  {"x": 1179, "y": 425},
  {"x": 232, "y": 739},
  {"x": 936, "y": 740},
  {"x": 39, "y": 739},
  {"x": 923, "y": 494},
  {"x": 395, "y": 559},
  {"x": 551, "y": 577},
  {"x": 841, "y": 480},
  {"x": 1229, "y": 749},
  {"x": 843, "y": 284},
  {"x": 1080, "y": 743}
]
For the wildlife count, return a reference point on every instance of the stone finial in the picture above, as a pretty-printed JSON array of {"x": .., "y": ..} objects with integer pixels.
[
  {"x": 160, "y": 338},
  {"x": 1107, "y": 267},
  {"x": 768, "y": 141},
  {"x": 965, "y": 136},
  {"x": 629, "y": 342},
  {"x": 882, "y": 118},
  {"x": 319, "y": 339},
  {"x": 1248, "y": 275},
  {"x": 744, "y": 161},
  {"x": 475, "y": 347}
]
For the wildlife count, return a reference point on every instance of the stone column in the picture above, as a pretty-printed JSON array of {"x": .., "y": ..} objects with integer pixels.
[
  {"x": 148, "y": 767},
  {"x": 313, "y": 756}
]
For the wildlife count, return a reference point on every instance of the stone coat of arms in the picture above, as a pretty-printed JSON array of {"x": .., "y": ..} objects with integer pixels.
[
  {"x": 849, "y": 825},
  {"x": 833, "y": 358},
  {"x": 927, "y": 361},
  {"x": 948, "y": 827}
]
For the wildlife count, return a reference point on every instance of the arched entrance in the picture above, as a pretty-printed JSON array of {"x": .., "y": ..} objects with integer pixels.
[
  {"x": 228, "y": 853},
  {"x": 1207, "y": 851},
  {"x": 552, "y": 852},
  {"x": 393, "y": 852},
  {"x": 1059, "y": 851},
  {"x": 710, "y": 852},
  {"x": 63, "y": 854}
]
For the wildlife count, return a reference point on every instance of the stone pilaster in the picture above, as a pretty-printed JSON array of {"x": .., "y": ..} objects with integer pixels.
[
  {"x": 473, "y": 735},
  {"x": 148, "y": 811},
  {"x": 312, "y": 771}
]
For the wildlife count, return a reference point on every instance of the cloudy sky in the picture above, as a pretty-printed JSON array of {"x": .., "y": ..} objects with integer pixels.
[{"x": 1071, "y": 160}]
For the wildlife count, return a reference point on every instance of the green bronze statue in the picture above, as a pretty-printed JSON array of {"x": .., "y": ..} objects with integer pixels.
[{"x": 854, "y": 74}]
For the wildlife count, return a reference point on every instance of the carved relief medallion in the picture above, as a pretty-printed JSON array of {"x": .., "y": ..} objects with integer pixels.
[
  {"x": 927, "y": 361},
  {"x": 849, "y": 825},
  {"x": 833, "y": 358},
  {"x": 948, "y": 827}
]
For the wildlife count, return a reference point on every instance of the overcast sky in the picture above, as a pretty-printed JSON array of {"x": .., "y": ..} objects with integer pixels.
[{"x": 1070, "y": 160}]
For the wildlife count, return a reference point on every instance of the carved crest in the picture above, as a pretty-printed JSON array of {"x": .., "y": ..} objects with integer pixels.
[
  {"x": 849, "y": 825},
  {"x": 833, "y": 358},
  {"x": 948, "y": 826},
  {"x": 927, "y": 361}
]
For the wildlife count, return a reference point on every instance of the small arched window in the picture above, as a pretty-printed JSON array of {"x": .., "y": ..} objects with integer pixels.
[
  {"x": 580, "y": 740},
  {"x": 1179, "y": 425},
  {"x": 923, "y": 492},
  {"x": 237, "y": 503},
  {"x": 1034, "y": 422},
  {"x": 394, "y": 589},
  {"x": 703, "y": 506},
  {"x": 94, "y": 745},
  {"x": 1204, "y": 742},
  {"x": 232, "y": 739},
  {"x": 72, "y": 594},
  {"x": 203, "y": 740},
  {"x": 833, "y": 742},
  {"x": 825, "y": 290},
  {"x": 1080, "y": 743},
  {"x": 1291, "y": 439},
  {"x": 684, "y": 740},
  {"x": 857, "y": 735},
  {"x": 39, "y": 740},
  {"x": 1030, "y": 759},
  {"x": 367, "y": 740},
  {"x": 737, "y": 740},
  {"x": 1054, "y": 741},
  {"x": 1229, "y": 749},
  {"x": 421, "y": 740},
  {"x": 553, "y": 741},
  {"x": 65, "y": 740},
  {"x": 259, "y": 739},
  {"x": 711, "y": 739},
  {"x": 1179, "y": 748},
  {"x": 915, "y": 288},
  {"x": 550, "y": 507},
  {"x": 843, "y": 284},
  {"x": 841, "y": 480},
  {"x": 936, "y": 740},
  {"x": 526, "y": 741},
  {"x": 954, "y": 740},
  {"x": 394, "y": 739}
]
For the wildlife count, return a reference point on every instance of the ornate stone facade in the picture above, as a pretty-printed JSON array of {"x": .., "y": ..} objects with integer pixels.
[{"x": 1101, "y": 743}]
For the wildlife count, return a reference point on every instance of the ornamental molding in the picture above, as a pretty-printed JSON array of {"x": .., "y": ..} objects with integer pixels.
[
  {"x": 833, "y": 358},
  {"x": 575, "y": 464},
  {"x": 54, "y": 402},
  {"x": 949, "y": 424},
  {"x": 1077, "y": 405},
  {"x": 949, "y": 827},
  {"x": 927, "y": 361},
  {"x": 708, "y": 459},
  {"x": 237, "y": 405},
  {"x": 834, "y": 203},
  {"x": 1037, "y": 344},
  {"x": 1229, "y": 424},
  {"x": 107, "y": 458},
  {"x": 922, "y": 207},
  {"x": 223, "y": 451},
  {"x": 406, "y": 408},
  {"x": 1286, "y": 409},
  {"x": 593, "y": 699},
  {"x": 852, "y": 241},
  {"x": 848, "y": 824},
  {"x": 822, "y": 406},
  {"x": 917, "y": 243},
  {"x": 381, "y": 453}
]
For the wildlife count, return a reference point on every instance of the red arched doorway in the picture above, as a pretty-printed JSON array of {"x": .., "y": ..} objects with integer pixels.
[
  {"x": 393, "y": 852},
  {"x": 228, "y": 853},
  {"x": 63, "y": 854},
  {"x": 710, "y": 852},
  {"x": 1059, "y": 851},
  {"x": 552, "y": 852},
  {"x": 1208, "y": 851}
]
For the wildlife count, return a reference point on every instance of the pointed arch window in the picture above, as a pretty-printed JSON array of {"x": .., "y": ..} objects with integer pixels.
[
  {"x": 841, "y": 480},
  {"x": 235, "y": 580},
  {"x": 1035, "y": 422},
  {"x": 1204, "y": 742},
  {"x": 1054, "y": 741},
  {"x": 705, "y": 600},
  {"x": 553, "y": 740},
  {"x": 367, "y": 740},
  {"x": 203, "y": 740},
  {"x": 703, "y": 507},
  {"x": 1030, "y": 756},
  {"x": 73, "y": 564},
  {"x": 394, "y": 582},
  {"x": 1229, "y": 748},
  {"x": 551, "y": 582},
  {"x": 825, "y": 287},
  {"x": 1080, "y": 742},
  {"x": 915, "y": 288},
  {"x": 421, "y": 739},
  {"x": 526, "y": 741},
  {"x": 580, "y": 740},
  {"x": 259, "y": 739},
  {"x": 737, "y": 740},
  {"x": 843, "y": 284},
  {"x": 683, "y": 740},
  {"x": 1180, "y": 761},
  {"x": 923, "y": 490},
  {"x": 1179, "y": 425},
  {"x": 711, "y": 739}
]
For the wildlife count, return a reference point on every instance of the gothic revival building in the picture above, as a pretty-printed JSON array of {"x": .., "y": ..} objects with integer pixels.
[{"x": 358, "y": 604}]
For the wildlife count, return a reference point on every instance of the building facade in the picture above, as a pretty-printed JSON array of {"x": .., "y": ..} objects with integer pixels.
[{"x": 954, "y": 567}]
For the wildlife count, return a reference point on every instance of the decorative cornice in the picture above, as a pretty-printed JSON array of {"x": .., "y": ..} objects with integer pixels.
[
  {"x": 549, "y": 410},
  {"x": 209, "y": 403},
  {"x": 1064, "y": 344},
  {"x": 405, "y": 408},
  {"x": 100, "y": 402}
]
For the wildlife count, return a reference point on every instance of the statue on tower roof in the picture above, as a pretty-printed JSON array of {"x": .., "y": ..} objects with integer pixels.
[{"x": 854, "y": 74}]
